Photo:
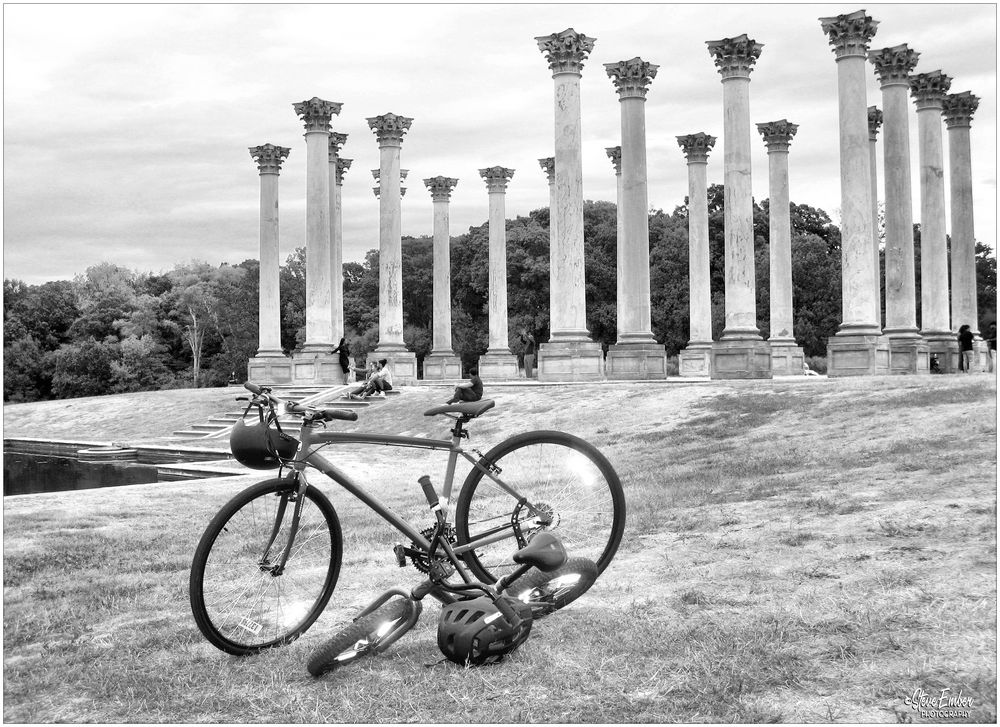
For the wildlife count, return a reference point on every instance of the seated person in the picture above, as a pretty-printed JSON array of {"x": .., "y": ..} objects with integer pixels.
[
  {"x": 382, "y": 380},
  {"x": 471, "y": 390},
  {"x": 368, "y": 387}
]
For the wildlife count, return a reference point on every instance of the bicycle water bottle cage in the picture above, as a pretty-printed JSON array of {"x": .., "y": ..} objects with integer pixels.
[{"x": 544, "y": 551}]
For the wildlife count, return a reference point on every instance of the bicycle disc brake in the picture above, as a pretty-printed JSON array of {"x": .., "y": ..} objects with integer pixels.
[{"x": 526, "y": 523}]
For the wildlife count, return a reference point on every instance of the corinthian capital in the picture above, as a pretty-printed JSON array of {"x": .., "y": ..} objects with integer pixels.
[
  {"x": 929, "y": 89},
  {"x": 874, "y": 122},
  {"x": 440, "y": 188},
  {"x": 696, "y": 146},
  {"x": 894, "y": 65},
  {"x": 496, "y": 178},
  {"x": 389, "y": 128},
  {"x": 631, "y": 78},
  {"x": 615, "y": 155},
  {"x": 959, "y": 108},
  {"x": 316, "y": 113},
  {"x": 269, "y": 157},
  {"x": 342, "y": 166},
  {"x": 849, "y": 34},
  {"x": 337, "y": 140},
  {"x": 735, "y": 57},
  {"x": 565, "y": 51},
  {"x": 548, "y": 165},
  {"x": 777, "y": 134}
]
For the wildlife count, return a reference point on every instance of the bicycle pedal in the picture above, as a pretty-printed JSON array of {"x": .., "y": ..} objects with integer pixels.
[{"x": 400, "y": 552}]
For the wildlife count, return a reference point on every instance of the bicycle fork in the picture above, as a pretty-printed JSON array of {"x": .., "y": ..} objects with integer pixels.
[{"x": 298, "y": 498}]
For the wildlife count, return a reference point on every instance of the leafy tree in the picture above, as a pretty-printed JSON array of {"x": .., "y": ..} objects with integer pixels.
[
  {"x": 26, "y": 375},
  {"x": 986, "y": 285},
  {"x": 83, "y": 368},
  {"x": 105, "y": 296}
]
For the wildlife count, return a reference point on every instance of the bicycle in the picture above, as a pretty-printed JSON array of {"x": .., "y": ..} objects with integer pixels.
[{"x": 269, "y": 560}]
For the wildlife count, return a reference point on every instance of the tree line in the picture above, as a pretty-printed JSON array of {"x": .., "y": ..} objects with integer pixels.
[{"x": 113, "y": 330}]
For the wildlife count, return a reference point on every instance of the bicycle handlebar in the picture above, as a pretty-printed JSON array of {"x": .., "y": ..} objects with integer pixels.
[{"x": 326, "y": 415}]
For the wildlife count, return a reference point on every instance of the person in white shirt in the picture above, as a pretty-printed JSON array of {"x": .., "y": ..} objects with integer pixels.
[{"x": 383, "y": 378}]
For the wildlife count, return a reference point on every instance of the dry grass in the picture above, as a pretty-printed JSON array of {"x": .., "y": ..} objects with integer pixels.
[{"x": 813, "y": 551}]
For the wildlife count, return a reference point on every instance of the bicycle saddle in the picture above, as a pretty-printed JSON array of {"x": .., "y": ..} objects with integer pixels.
[
  {"x": 544, "y": 551},
  {"x": 470, "y": 409}
]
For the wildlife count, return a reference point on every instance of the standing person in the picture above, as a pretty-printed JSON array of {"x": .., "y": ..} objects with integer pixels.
[
  {"x": 529, "y": 353},
  {"x": 471, "y": 390},
  {"x": 345, "y": 356},
  {"x": 382, "y": 381},
  {"x": 991, "y": 345},
  {"x": 965, "y": 347}
]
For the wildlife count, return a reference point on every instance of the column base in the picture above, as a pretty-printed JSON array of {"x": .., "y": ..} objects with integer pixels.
[
  {"x": 741, "y": 359},
  {"x": 852, "y": 355},
  {"x": 908, "y": 355},
  {"x": 315, "y": 348},
  {"x": 498, "y": 365},
  {"x": 316, "y": 369},
  {"x": 403, "y": 365},
  {"x": 647, "y": 360},
  {"x": 787, "y": 359},
  {"x": 269, "y": 370},
  {"x": 695, "y": 360},
  {"x": 570, "y": 361},
  {"x": 944, "y": 348},
  {"x": 439, "y": 366},
  {"x": 980, "y": 355}
]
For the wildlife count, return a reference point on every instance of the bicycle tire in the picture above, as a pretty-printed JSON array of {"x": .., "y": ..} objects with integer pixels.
[
  {"x": 562, "y": 475},
  {"x": 363, "y": 637},
  {"x": 548, "y": 592},
  {"x": 240, "y": 606}
]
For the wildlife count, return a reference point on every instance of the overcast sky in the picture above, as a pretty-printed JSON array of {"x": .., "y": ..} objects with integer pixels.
[{"x": 127, "y": 127}]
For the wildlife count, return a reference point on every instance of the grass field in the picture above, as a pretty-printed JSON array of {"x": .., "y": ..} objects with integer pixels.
[{"x": 797, "y": 551}]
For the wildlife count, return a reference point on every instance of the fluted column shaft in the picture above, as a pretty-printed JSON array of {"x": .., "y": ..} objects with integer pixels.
[
  {"x": 548, "y": 165},
  {"x": 269, "y": 158},
  {"x": 849, "y": 34},
  {"x": 316, "y": 113},
  {"x": 496, "y": 184},
  {"x": 892, "y": 67},
  {"x": 336, "y": 238},
  {"x": 778, "y": 135},
  {"x": 615, "y": 154},
  {"x": 874, "y": 122},
  {"x": 929, "y": 89},
  {"x": 441, "y": 188},
  {"x": 958, "y": 111},
  {"x": 389, "y": 129},
  {"x": 696, "y": 148}
]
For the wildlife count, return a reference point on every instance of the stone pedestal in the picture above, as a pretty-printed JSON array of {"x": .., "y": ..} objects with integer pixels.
[
  {"x": 269, "y": 370},
  {"x": 570, "y": 361},
  {"x": 857, "y": 355},
  {"x": 498, "y": 365},
  {"x": 908, "y": 355},
  {"x": 642, "y": 360},
  {"x": 981, "y": 356},
  {"x": 310, "y": 368},
  {"x": 787, "y": 359},
  {"x": 945, "y": 348},
  {"x": 695, "y": 360},
  {"x": 403, "y": 364},
  {"x": 439, "y": 366},
  {"x": 741, "y": 359}
]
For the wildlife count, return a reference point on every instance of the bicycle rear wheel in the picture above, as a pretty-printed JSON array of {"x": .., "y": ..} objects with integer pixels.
[
  {"x": 241, "y": 599},
  {"x": 539, "y": 481},
  {"x": 370, "y": 634}
]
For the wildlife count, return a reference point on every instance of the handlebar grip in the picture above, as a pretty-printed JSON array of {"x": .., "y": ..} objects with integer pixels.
[
  {"x": 343, "y": 414},
  {"x": 252, "y": 387}
]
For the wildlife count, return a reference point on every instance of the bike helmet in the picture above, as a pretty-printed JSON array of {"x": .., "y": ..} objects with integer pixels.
[
  {"x": 474, "y": 632},
  {"x": 259, "y": 447}
]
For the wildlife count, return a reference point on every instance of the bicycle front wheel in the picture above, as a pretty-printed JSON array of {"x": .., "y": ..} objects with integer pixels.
[
  {"x": 368, "y": 635},
  {"x": 539, "y": 481},
  {"x": 242, "y": 598}
]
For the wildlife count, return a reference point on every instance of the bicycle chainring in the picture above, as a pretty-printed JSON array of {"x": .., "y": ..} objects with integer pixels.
[{"x": 423, "y": 564}]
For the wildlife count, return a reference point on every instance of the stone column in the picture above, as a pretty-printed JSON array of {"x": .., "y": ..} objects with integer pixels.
[
  {"x": 389, "y": 129},
  {"x": 442, "y": 363},
  {"x": 928, "y": 91},
  {"x": 615, "y": 155},
  {"x": 741, "y": 353},
  {"x": 548, "y": 165},
  {"x": 636, "y": 354},
  {"x": 269, "y": 365},
  {"x": 696, "y": 358},
  {"x": 958, "y": 111},
  {"x": 908, "y": 352},
  {"x": 498, "y": 362},
  {"x": 569, "y": 355},
  {"x": 874, "y": 123},
  {"x": 858, "y": 348},
  {"x": 787, "y": 359},
  {"x": 314, "y": 364},
  {"x": 337, "y": 140}
]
